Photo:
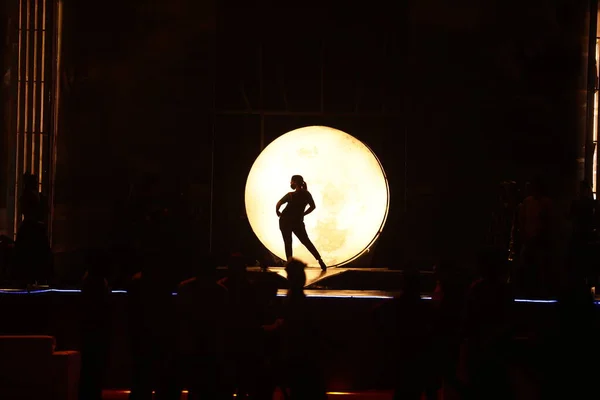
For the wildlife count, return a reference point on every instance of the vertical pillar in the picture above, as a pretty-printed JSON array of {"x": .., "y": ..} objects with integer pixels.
[
  {"x": 57, "y": 6},
  {"x": 34, "y": 98},
  {"x": 13, "y": 13},
  {"x": 591, "y": 90}
]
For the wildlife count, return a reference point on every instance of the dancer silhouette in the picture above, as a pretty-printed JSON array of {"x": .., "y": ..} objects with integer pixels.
[{"x": 291, "y": 220}]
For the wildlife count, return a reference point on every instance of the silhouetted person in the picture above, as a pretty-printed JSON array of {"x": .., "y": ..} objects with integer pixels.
[
  {"x": 243, "y": 325},
  {"x": 141, "y": 386},
  {"x": 33, "y": 257},
  {"x": 405, "y": 336},
  {"x": 268, "y": 343},
  {"x": 95, "y": 327},
  {"x": 33, "y": 204},
  {"x": 152, "y": 326},
  {"x": 291, "y": 220},
  {"x": 155, "y": 272},
  {"x": 301, "y": 338},
  {"x": 488, "y": 329},
  {"x": 266, "y": 292},
  {"x": 448, "y": 302},
  {"x": 201, "y": 311}
]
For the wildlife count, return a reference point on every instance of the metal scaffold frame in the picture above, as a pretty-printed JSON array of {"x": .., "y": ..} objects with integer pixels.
[{"x": 263, "y": 113}]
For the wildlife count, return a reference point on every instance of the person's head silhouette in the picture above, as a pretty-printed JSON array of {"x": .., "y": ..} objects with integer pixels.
[
  {"x": 295, "y": 274},
  {"x": 297, "y": 183}
]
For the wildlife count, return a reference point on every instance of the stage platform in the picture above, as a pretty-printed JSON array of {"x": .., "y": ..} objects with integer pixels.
[
  {"x": 311, "y": 293},
  {"x": 340, "y": 283}
]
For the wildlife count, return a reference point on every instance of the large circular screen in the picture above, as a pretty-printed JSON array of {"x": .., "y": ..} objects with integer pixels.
[{"x": 346, "y": 180}]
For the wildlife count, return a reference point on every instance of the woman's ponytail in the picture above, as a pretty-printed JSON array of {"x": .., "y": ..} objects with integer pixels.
[{"x": 299, "y": 180}]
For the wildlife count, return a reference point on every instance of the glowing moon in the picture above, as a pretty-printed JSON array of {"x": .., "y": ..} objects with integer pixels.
[{"x": 346, "y": 181}]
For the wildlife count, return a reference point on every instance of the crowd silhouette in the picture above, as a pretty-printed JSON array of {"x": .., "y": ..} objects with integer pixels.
[
  {"x": 225, "y": 336},
  {"x": 220, "y": 338}
]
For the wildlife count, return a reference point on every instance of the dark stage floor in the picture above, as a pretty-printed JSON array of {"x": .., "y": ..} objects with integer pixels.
[{"x": 367, "y": 283}]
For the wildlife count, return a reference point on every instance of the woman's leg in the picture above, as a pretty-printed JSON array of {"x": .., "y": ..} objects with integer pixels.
[
  {"x": 300, "y": 232},
  {"x": 286, "y": 232}
]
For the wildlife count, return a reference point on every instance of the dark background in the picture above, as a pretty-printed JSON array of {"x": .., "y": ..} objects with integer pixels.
[{"x": 453, "y": 97}]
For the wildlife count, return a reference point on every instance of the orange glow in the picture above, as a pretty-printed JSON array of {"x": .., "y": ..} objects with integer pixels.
[
  {"x": 55, "y": 111},
  {"x": 31, "y": 93},
  {"x": 42, "y": 26},
  {"x": 42, "y": 103},
  {"x": 26, "y": 111},
  {"x": 18, "y": 133},
  {"x": 34, "y": 84}
]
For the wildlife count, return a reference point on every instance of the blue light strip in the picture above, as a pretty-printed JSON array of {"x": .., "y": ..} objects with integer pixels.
[
  {"x": 311, "y": 295},
  {"x": 42, "y": 291},
  {"x": 535, "y": 301}
]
